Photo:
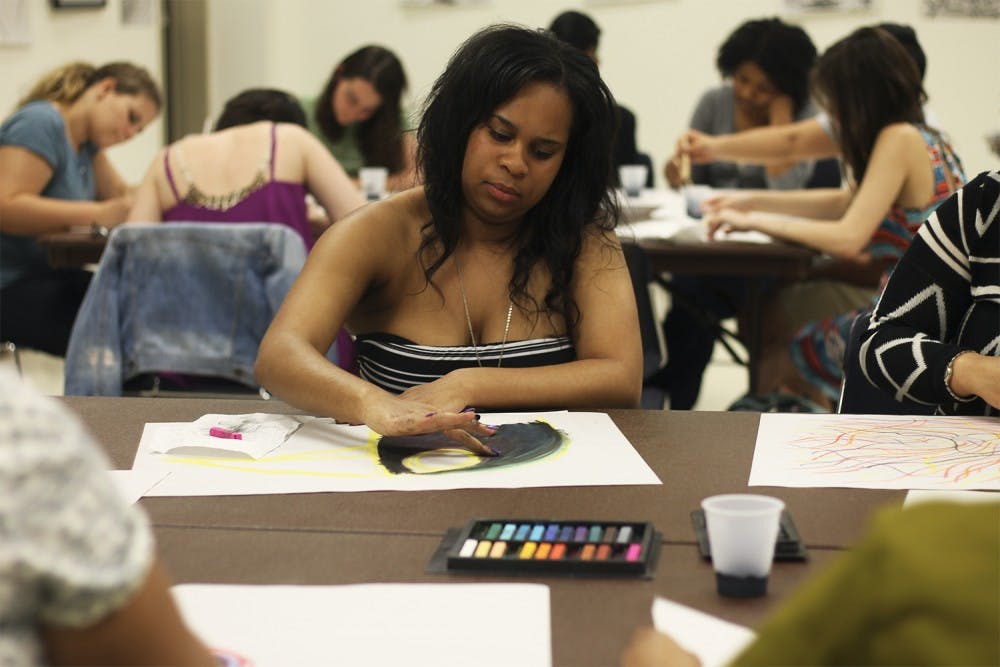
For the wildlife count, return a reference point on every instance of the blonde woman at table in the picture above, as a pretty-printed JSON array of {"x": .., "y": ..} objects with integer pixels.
[
  {"x": 54, "y": 174},
  {"x": 900, "y": 170},
  {"x": 499, "y": 283}
]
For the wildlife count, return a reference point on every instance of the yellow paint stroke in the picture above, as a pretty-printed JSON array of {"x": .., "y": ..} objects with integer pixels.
[{"x": 349, "y": 452}]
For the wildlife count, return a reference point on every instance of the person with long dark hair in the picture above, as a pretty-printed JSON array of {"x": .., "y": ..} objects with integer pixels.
[
  {"x": 359, "y": 115},
  {"x": 55, "y": 174},
  {"x": 499, "y": 283},
  {"x": 899, "y": 171}
]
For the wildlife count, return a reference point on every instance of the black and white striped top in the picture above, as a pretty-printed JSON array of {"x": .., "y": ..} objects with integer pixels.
[
  {"x": 943, "y": 298},
  {"x": 396, "y": 364}
]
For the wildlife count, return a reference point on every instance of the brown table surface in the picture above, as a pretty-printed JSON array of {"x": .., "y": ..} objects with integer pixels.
[
  {"x": 733, "y": 258},
  {"x": 592, "y": 618},
  {"x": 73, "y": 249},
  {"x": 695, "y": 454}
]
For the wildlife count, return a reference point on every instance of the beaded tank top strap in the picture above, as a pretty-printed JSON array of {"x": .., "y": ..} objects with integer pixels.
[
  {"x": 274, "y": 141},
  {"x": 170, "y": 174},
  {"x": 182, "y": 164}
]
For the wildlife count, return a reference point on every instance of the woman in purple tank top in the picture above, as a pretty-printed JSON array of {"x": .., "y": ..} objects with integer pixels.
[{"x": 257, "y": 166}]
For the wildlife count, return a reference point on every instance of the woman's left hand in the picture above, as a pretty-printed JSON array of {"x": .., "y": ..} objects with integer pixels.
[{"x": 728, "y": 220}]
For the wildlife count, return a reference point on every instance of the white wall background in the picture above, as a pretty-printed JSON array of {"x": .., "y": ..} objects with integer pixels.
[{"x": 657, "y": 55}]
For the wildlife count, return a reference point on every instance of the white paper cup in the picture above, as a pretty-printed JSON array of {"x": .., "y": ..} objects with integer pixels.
[
  {"x": 742, "y": 532},
  {"x": 633, "y": 178},
  {"x": 373, "y": 181},
  {"x": 694, "y": 195}
]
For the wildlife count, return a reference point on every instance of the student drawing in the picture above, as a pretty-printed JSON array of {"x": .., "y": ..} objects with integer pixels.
[
  {"x": 879, "y": 451},
  {"x": 435, "y": 453},
  {"x": 532, "y": 450}
]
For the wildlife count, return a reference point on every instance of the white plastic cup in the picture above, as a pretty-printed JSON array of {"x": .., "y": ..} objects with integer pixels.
[
  {"x": 742, "y": 532},
  {"x": 373, "y": 180},
  {"x": 694, "y": 195},
  {"x": 633, "y": 178}
]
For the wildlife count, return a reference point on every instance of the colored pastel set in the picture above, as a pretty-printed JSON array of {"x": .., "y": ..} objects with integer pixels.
[{"x": 535, "y": 545}]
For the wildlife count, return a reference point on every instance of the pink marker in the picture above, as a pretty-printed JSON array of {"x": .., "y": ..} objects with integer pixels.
[{"x": 219, "y": 432}]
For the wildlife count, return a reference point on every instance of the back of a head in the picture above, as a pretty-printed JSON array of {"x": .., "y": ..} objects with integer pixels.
[
  {"x": 784, "y": 52},
  {"x": 908, "y": 38},
  {"x": 257, "y": 104},
  {"x": 66, "y": 83},
  {"x": 576, "y": 29},
  {"x": 867, "y": 81}
]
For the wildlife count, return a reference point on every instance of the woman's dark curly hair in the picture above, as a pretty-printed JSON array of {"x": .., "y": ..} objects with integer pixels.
[
  {"x": 381, "y": 136},
  {"x": 867, "y": 81},
  {"x": 490, "y": 68},
  {"x": 784, "y": 52}
]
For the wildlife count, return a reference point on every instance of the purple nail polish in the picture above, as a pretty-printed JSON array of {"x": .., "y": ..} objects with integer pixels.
[
  {"x": 469, "y": 409},
  {"x": 430, "y": 414},
  {"x": 496, "y": 452}
]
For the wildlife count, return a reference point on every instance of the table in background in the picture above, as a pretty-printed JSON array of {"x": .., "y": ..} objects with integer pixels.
[
  {"x": 73, "y": 249},
  {"x": 785, "y": 262}
]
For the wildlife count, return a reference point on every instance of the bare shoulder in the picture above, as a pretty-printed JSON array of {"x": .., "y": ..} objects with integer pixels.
[
  {"x": 600, "y": 250},
  {"x": 900, "y": 135}
]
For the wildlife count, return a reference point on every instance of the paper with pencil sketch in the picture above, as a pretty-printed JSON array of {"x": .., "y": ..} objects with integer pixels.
[
  {"x": 538, "y": 449},
  {"x": 371, "y": 624},
  {"x": 715, "y": 641}
]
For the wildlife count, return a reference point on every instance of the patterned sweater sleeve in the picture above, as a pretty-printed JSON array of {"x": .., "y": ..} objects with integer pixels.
[{"x": 916, "y": 328}]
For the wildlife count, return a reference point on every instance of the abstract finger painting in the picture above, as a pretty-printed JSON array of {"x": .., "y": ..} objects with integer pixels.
[{"x": 877, "y": 451}]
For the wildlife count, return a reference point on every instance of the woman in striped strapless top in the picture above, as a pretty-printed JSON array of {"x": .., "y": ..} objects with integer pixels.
[{"x": 499, "y": 283}]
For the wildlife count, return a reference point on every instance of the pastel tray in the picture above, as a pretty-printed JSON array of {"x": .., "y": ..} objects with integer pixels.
[{"x": 555, "y": 546}]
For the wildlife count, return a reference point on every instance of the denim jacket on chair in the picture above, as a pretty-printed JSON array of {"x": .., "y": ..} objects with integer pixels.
[{"x": 193, "y": 298}]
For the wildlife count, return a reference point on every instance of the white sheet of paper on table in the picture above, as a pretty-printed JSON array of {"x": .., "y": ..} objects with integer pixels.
[
  {"x": 260, "y": 433},
  {"x": 134, "y": 484},
  {"x": 877, "y": 452},
  {"x": 322, "y": 456},
  {"x": 374, "y": 624},
  {"x": 715, "y": 641},
  {"x": 918, "y": 496}
]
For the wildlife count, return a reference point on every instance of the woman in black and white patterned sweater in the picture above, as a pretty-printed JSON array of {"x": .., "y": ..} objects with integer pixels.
[{"x": 934, "y": 336}]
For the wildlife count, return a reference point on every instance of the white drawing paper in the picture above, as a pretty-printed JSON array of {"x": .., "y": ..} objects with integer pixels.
[
  {"x": 715, "y": 641},
  {"x": 877, "y": 452},
  {"x": 372, "y": 624},
  {"x": 325, "y": 456}
]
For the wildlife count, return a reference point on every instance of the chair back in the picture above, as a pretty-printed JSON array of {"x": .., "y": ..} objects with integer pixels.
[
  {"x": 652, "y": 345},
  {"x": 857, "y": 394},
  {"x": 193, "y": 298}
]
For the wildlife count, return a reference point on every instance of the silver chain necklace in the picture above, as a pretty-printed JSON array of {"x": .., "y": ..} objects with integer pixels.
[{"x": 468, "y": 319}]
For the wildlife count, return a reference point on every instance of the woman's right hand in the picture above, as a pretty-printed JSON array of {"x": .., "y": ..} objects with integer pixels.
[
  {"x": 700, "y": 147},
  {"x": 393, "y": 415}
]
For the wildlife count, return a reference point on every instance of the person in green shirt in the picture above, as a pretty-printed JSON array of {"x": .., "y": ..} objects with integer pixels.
[
  {"x": 360, "y": 119},
  {"x": 923, "y": 588}
]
